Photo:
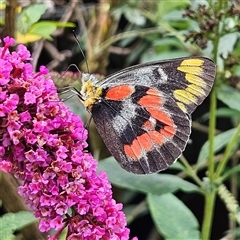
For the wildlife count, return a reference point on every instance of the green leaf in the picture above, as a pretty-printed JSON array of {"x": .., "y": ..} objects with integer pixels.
[
  {"x": 45, "y": 28},
  {"x": 133, "y": 15},
  {"x": 131, "y": 12},
  {"x": 172, "y": 218},
  {"x": 39, "y": 30},
  {"x": 42, "y": 29},
  {"x": 220, "y": 141},
  {"x": 176, "y": 17},
  {"x": 166, "y": 42},
  {"x": 154, "y": 56},
  {"x": 227, "y": 112},
  {"x": 227, "y": 43},
  {"x": 29, "y": 16},
  {"x": 222, "y": 112},
  {"x": 230, "y": 172},
  {"x": 152, "y": 183},
  {"x": 165, "y": 7},
  {"x": 11, "y": 222},
  {"x": 230, "y": 96},
  {"x": 163, "y": 50}
]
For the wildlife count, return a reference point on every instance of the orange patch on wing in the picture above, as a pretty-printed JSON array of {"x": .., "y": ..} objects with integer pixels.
[
  {"x": 150, "y": 101},
  {"x": 134, "y": 150},
  {"x": 128, "y": 151},
  {"x": 157, "y": 137},
  {"x": 119, "y": 92},
  {"x": 145, "y": 141},
  {"x": 168, "y": 131},
  {"x": 161, "y": 116}
]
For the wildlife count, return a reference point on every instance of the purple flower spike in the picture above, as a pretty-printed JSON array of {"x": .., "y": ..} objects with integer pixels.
[{"x": 43, "y": 144}]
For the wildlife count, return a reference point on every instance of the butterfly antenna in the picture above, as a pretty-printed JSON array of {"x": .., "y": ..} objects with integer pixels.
[
  {"x": 65, "y": 89},
  {"x": 78, "y": 43}
]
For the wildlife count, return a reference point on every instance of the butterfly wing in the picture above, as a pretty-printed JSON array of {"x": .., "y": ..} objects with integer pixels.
[
  {"x": 187, "y": 80},
  {"x": 143, "y": 115},
  {"x": 145, "y": 132}
]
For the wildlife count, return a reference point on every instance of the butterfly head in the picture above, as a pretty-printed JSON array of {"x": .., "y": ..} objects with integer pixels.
[{"x": 90, "y": 93}]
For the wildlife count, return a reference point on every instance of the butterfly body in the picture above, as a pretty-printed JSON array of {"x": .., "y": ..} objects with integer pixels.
[{"x": 143, "y": 112}]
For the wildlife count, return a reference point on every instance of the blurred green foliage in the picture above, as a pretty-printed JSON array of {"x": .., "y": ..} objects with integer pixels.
[{"x": 11, "y": 222}]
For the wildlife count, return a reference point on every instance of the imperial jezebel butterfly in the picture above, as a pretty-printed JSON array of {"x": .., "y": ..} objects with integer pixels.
[{"x": 143, "y": 112}]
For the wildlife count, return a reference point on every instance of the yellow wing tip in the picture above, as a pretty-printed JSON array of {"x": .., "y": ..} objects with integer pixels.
[{"x": 197, "y": 62}]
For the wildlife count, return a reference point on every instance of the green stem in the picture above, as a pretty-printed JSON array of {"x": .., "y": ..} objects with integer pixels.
[
  {"x": 212, "y": 127},
  {"x": 190, "y": 171},
  {"x": 208, "y": 214},
  {"x": 210, "y": 192}
]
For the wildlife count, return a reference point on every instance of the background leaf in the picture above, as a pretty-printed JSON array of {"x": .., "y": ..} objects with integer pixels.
[
  {"x": 226, "y": 46},
  {"x": 11, "y": 222},
  {"x": 39, "y": 30},
  {"x": 220, "y": 141},
  {"x": 164, "y": 7},
  {"x": 29, "y": 16},
  {"x": 230, "y": 96},
  {"x": 172, "y": 218},
  {"x": 223, "y": 112},
  {"x": 152, "y": 183}
]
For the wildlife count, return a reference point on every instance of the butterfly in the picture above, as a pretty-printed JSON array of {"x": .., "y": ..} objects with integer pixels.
[{"x": 143, "y": 112}]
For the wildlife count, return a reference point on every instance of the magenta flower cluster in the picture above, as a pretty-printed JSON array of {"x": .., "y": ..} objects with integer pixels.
[{"x": 42, "y": 143}]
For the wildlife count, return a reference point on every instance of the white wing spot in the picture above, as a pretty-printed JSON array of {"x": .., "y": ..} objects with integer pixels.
[
  {"x": 125, "y": 115},
  {"x": 163, "y": 75}
]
